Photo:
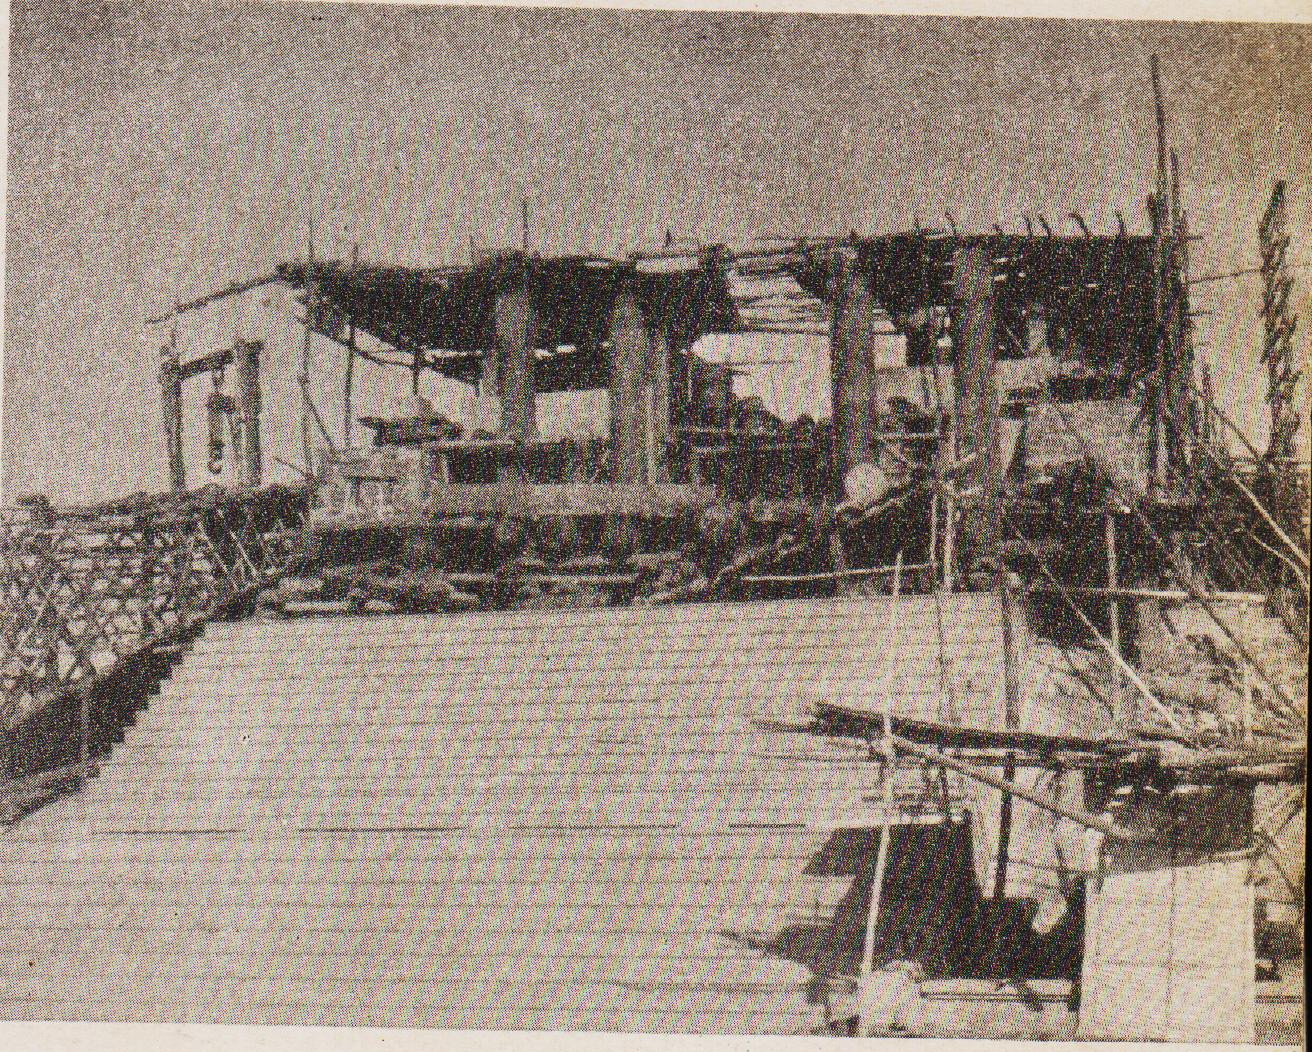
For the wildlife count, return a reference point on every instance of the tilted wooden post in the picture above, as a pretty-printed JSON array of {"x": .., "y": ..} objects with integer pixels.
[
  {"x": 975, "y": 414},
  {"x": 348, "y": 380},
  {"x": 852, "y": 370},
  {"x": 247, "y": 360},
  {"x": 631, "y": 352},
  {"x": 170, "y": 381}
]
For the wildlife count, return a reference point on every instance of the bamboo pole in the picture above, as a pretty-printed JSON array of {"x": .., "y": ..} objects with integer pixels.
[
  {"x": 860, "y": 571},
  {"x": 890, "y": 802},
  {"x": 1261, "y": 509},
  {"x": 1101, "y": 825},
  {"x": 311, "y": 294},
  {"x": 933, "y": 538},
  {"x": 348, "y": 382},
  {"x": 949, "y": 543},
  {"x": 1278, "y": 694},
  {"x": 1114, "y": 613},
  {"x": 1011, "y": 678},
  {"x": 1160, "y": 213},
  {"x": 234, "y": 289},
  {"x": 312, "y": 411}
]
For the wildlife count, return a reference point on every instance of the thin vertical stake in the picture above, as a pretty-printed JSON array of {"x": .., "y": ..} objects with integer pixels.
[
  {"x": 1114, "y": 611},
  {"x": 311, "y": 295},
  {"x": 349, "y": 381}
]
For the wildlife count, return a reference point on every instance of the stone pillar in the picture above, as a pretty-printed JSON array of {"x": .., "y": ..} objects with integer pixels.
[
  {"x": 630, "y": 373},
  {"x": 508, "y": 367},
  {"x": 975, "y": 412},
  {"x": 661, "y": 397},
  {"x": 514, "y": 351},
  {"x": 852, "y": 370}
]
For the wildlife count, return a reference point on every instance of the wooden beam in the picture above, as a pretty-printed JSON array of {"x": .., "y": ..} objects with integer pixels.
[
  {"x": 170, "y": 379},
  {"x": 311, "y": 305},
  {"x": 233, "y": 289},
  {"x": 206, "y": 363},
  {"x": 249, "y": 404}
]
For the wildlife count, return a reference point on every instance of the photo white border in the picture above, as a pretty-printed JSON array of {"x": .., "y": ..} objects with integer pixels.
[{"x": 132, "y": 1037}]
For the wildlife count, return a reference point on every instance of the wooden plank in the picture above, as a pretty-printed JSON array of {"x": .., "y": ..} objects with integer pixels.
[
  {"x": 213, "y": 361},
  {"x": 665, "y": 500}
]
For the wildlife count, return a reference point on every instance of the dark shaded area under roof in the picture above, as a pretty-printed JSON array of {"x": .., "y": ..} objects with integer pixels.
[
  {"x": 1095, "y": 293},
  {"x": 447, "y": 313}
]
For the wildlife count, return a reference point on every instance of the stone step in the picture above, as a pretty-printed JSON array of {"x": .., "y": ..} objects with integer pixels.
[
  {"x": 29, "y": 842},
  {"x": 380, "y": 1009},
  {"x": 316, "y": 785},
  {"x": 570, "y": 819},
  {"x": 290, "y": 916}
]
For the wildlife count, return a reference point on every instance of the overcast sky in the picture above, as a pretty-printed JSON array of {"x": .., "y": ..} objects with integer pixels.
[{"x": 158, "y": 151}]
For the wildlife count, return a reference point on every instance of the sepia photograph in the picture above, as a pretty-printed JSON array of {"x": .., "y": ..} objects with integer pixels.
[{"x": 667, "y": 522}]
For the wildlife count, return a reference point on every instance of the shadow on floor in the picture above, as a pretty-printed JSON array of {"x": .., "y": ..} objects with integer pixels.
[{"x": 931, "y": 912}]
